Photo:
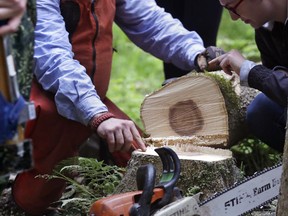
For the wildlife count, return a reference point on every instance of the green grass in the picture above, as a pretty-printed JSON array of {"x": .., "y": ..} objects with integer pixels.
[{"x": 136, "y": 73}]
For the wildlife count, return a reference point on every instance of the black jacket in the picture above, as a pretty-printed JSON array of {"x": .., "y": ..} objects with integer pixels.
[{"x": 272, "y": 77}]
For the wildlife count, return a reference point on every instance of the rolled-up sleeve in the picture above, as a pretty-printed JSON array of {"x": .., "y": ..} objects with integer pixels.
[
  {"x": 57, "y": 71},
  {"x": 156, "y": 32}
]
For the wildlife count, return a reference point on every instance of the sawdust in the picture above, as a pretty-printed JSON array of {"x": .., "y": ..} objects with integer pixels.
[{"x": 196, "y": 140}]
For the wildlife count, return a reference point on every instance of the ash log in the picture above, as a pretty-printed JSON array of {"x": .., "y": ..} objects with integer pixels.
[{"x": 197, "y": 115}]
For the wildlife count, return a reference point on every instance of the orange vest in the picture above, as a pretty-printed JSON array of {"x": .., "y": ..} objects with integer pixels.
[{"x": 89, "y": 24}]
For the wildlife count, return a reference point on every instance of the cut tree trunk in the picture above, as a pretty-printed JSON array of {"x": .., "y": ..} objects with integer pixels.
[
  {"x": 198, "y": 115},
  {"x": 203, "y": 169},
  {"x": 200, "y": 109}
]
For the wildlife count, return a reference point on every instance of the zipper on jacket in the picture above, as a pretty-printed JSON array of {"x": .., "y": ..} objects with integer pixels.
[{"x": 94, "y": 54}]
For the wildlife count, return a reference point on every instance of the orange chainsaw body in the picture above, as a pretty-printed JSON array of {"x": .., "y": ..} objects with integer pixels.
[{"x": 120, "y": 204}]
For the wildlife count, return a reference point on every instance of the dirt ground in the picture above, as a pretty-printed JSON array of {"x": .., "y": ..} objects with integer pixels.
[{"x": 9, "y": 208}]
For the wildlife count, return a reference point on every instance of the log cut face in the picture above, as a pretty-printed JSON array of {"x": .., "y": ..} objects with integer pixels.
[
  {"x": 190, "y": 108},
  {"x": 201, "y": 109}
]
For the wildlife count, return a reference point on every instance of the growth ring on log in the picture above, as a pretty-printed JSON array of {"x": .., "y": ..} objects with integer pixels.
[{"x": 189, "y": 107}]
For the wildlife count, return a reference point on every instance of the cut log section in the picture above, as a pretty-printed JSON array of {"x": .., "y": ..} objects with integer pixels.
[
  {"x": 199, "y": 109},
  {"x": 191, "y": 106},
  {"x": 197, "y": 115}
]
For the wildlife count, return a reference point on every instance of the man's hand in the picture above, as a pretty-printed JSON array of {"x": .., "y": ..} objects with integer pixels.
[
  {"x": 120, "y": 134},
  {"x": 229, "y": 62},
  {"x": 204, "y": 58},
  {"x": 11, "y": 10}
]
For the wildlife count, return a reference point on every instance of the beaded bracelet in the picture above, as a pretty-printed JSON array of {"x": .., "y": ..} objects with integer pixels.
[{"x": 98, "y": 120}]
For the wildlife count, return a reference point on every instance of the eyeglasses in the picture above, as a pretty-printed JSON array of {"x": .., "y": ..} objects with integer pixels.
[{"x": 233, "y": 9}]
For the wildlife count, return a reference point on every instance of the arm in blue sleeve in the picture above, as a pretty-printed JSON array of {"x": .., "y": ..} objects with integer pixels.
[
  {"x": 57, "y": 71},
  {"x": 156, "y": 32}
]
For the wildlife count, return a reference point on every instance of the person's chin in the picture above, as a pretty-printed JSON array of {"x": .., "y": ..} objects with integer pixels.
[{"x": 254, "y": 25}]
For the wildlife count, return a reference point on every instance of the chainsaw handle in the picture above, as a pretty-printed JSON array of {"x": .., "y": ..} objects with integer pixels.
[
  {"x": 147, "y": 199},
  {"x": 145, "y": 178},
  {"x": 120, "y": 204},
  {"x": 171, "y": 173}
]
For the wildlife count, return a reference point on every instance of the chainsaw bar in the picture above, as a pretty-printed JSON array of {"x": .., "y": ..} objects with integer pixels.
[{"x": 245, "y": 196}]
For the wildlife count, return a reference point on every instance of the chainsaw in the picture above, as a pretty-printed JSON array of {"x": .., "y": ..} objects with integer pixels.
[{"x": 165, "y": 199}]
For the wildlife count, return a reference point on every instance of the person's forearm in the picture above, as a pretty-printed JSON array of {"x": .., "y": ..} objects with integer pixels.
[{"x": 158, "y": 33}]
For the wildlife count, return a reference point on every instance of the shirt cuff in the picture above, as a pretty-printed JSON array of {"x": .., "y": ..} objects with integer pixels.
[
  {"x": 244, "y": 72},
  {"x": 89, "y": 107}
]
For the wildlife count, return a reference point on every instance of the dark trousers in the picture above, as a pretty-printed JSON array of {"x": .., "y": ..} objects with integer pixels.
[
  {"x": 202, "y": 16},
  {"x": 266, "y": 120}
]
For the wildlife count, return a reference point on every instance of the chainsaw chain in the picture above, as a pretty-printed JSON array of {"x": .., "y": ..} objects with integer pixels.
[{"x": 242, "y": 182}]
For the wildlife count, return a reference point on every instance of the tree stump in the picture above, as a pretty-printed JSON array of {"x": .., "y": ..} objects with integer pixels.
[
  {"x": 203, "y": 169},
  {"x": 199, "y": 116}
]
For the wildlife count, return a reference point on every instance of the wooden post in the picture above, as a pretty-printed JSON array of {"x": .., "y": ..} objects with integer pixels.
[{"x": 282, "y": 206}]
